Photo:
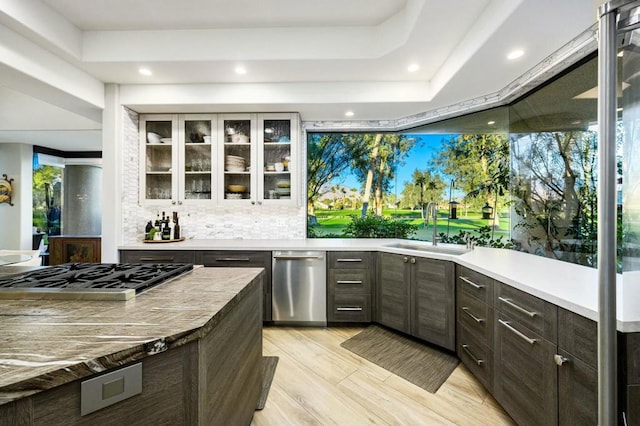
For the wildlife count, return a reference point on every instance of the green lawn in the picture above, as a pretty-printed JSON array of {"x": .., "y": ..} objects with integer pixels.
[{"x": 333, "y": 222}]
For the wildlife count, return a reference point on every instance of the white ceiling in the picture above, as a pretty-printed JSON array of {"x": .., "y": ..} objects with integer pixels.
[{"x": 320, "y": 58}]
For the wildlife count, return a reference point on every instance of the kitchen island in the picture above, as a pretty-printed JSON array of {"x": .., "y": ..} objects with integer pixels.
[{"x": 198, "y": 339}]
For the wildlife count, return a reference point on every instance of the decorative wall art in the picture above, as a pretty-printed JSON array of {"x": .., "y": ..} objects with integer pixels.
[{"x": 6, "y": 189}]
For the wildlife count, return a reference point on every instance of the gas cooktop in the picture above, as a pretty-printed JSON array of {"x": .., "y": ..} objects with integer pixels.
[{"x": 90, "y": 281}]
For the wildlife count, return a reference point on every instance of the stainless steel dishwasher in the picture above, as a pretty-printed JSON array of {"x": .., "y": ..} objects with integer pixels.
[{"x": 299, "y": 287}]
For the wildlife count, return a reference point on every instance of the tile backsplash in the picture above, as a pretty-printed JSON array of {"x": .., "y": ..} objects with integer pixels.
[{"x": 199, "y": 221}]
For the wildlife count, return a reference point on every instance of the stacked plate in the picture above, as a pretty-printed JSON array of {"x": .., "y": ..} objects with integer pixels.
[
  {"x": 283, "y": 189},
  {"x": 234, "y": 163}
]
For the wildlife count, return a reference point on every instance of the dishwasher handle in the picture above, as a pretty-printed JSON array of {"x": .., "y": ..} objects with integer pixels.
[{"x": 296, "y": 257}]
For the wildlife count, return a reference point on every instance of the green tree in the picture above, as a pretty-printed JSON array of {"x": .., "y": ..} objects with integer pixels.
[
  {"x": 43, "y": 176},
  {"x": 555, "y": 193},
  {"x": 328, "y": 157},
  {"x": 480, "y": 165},
  {"x": 375, "y": 160}
]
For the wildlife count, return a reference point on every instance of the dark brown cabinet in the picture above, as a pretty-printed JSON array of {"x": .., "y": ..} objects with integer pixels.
[
  {"x": 242, "y": 259},
  {"x": 416, "y": 296},
  {"x": 525, "y": 375},
  {"x": 577, "y": 361},
  {"x": 393, "y": 292},
  {"x": 349, "y": 286},
  {"x": 210, "y": 258},
  {"x": 157, "y": 256},
  {"x": 474, "y": 326}
]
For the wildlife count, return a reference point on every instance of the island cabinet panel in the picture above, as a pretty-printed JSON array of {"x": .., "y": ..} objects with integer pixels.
[
  {"x": 242, "y": 259},
  {"x": 215, "y": 379},
  {"x": 433, "y": 307},
  {"x": 157, "y": 256},
  {"x": 230, "y": 365},
  {"x": 350, "y": 279},
  {"x": 166, "y": 396},
  {"x": 393, "y": 292}
]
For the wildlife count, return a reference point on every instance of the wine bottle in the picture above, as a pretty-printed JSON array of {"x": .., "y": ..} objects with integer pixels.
[
  {"x": 176, "y": 226},
  {"x": 147, "y": 231}
]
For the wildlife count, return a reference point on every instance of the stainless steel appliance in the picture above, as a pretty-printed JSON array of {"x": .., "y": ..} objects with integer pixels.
[
  {"x": 89, "y": 281},
  {"x": 299, "y": 291}
]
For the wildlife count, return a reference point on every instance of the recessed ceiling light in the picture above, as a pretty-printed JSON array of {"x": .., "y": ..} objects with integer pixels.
[
  {"x": 241, "y": 70},
  {"x": 145, "y": 71},
  {"x": 413, "y": 67},
  {"x": 491, "y": 123},
  {"x": 621, "y": 54},
  {"x": 515, "y": 54},
  {"x": 349, "y": 113}
]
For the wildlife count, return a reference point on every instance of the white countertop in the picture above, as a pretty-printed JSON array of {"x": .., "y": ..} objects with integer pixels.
[{"x": 570, "y": 286}]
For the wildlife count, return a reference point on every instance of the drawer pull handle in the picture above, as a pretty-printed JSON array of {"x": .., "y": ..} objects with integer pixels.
[
  {"x": 475, "y": 318},
  {"x": 518, "y": 333},
  {"x": 156, "y": 259},
  {"x": 232, "y": 259},
  {"x": 350, "y": 308},
  {"x": 476, "y": 360},
  {"x": 517, "y": 308},
  {"x": 349, "y": 260},
  {"x": 471, "y": 283},
  {"x": 349, "y": 282}
]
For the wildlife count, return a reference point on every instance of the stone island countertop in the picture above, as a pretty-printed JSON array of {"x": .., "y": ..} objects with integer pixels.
[{"x": 45, "y": 344}]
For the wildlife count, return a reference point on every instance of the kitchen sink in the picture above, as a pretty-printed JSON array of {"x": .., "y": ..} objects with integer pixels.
[{"x": 429, "y": 248}]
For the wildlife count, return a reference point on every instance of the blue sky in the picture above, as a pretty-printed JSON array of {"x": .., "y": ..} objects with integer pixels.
[{"x": 418, "y": 158}]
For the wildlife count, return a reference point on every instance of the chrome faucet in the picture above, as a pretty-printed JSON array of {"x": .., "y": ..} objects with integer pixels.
[{"x": 434, "y": 208}]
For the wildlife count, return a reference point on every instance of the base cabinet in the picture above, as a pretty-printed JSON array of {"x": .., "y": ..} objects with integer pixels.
[
  {"x": 525, "y": 381},
  {"x": 242, "y": 259},
  {"x": 350, "y": 278},
  {"x": 416, "y": 296},
  {"x": 211, "y": 258},
  {"x": 538, "y": 360},
  {"x": 393, "y": 292}
]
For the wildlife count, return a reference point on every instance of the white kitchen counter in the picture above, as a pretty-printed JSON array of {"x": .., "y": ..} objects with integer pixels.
[{"x": 570, "y": 286}]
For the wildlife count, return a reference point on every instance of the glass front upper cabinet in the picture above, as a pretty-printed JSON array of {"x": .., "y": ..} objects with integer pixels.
[
  {"x": 278, "y": 134},
  {"x": 238, "y": 134},
  {"x": 198, "y": 137},
  {"x": 158, "y": 134}
]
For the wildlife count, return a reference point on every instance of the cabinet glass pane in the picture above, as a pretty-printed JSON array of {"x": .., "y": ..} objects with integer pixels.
[
  {"x": 237, "y": 159},
  {"x": 198, "y": 171},
  {"x": 159, "y": 154},
  {"x": 197, "y": 160},
  {"x": 277, "y": 156}
]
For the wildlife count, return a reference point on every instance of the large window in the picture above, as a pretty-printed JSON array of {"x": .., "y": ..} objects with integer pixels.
[{"x": 522, "y": 176}]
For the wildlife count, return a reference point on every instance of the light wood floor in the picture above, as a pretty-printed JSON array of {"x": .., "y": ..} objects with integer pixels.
[{"x": 317, "y": 382}]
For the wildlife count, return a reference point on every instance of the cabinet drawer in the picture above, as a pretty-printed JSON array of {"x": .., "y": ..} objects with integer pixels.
[
  {"x": 475, "y": 284},
  {"x": 534, "y": 313},
  {"x": 578, "y": 336},
  {"x": 350, "y": 308},
  {"x": 157, "y": 256},
  {"x": 350, "y": 281},
  {"x": 244, "y": 259},
  {"x": 476, "y": 356},
  {"x": 476, "y": 316},
  {"x": 349, "y": 260}
]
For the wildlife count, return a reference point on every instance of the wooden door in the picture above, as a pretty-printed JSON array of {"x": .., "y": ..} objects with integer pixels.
[
  {"x": 432, "y": 296},
  {"x": 393, "y": 291}
]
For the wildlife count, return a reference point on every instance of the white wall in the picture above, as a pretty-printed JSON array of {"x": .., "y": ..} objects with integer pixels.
[{"x": 16, "y": 161}]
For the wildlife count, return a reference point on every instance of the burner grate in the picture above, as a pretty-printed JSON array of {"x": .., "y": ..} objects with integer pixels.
[{"x": 78, "y": 276}]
